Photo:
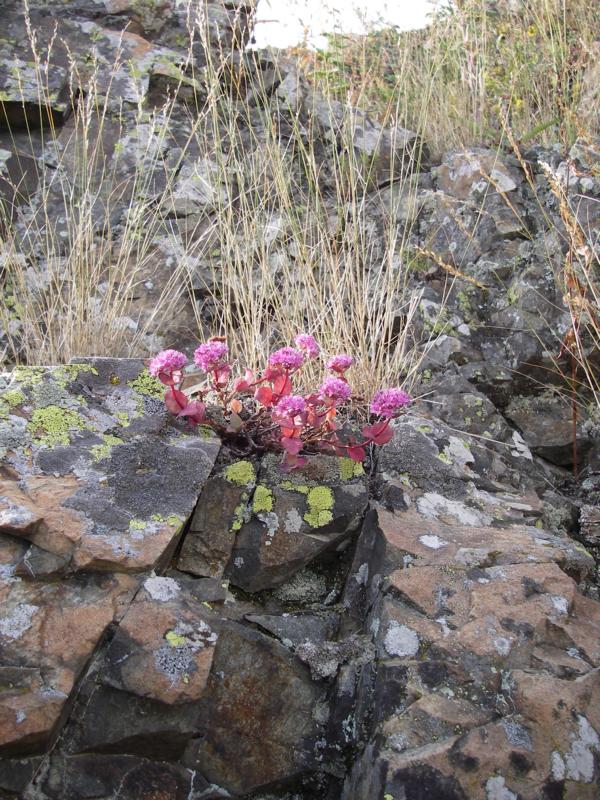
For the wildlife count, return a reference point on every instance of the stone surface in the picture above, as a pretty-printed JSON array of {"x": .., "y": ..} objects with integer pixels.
[
  {"x": 95, "y": 466},
  {"x": 222, "y": 509},
  {"x": 294, "y": 518},
  {"x": 260, "y": 726},
  {"x": 487, "y": 668},
  {"x": 547, "y": 427},
  {"x": 48, "y": 633}
]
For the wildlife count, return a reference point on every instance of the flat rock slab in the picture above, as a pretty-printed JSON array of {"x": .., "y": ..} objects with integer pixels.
[
  {"x": 292, "y": 518},
  {"x": 261, "y": 723},
  {"x": 47, "y": 634},
  {"x": 147, "y": 689},
  {"x": 95, "y": 468}
]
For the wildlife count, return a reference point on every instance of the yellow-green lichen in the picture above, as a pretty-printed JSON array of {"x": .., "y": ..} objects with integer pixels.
[
  {"x": 123, "y": 418},
  {"x": 148, "y": 385},
  {"x": 52, "y": 425},
  {"x": 175, "y": 639},
  {"x": 444, "y": 457},
  {"x": 13, "y": 398},
  {"x": 262, "y": 500},
  {"x": 29, "y": 376},
  {"x": 173, "y": 519},
  {"x": 101, "y": 451},
  {"x": 350, "y": 469},
  {"x": 137, "y": 525},
  {"x": 242, "y": 473},
  {"x": 294, "y": 487},
  {"x": 240, "y": 514},
  {"x": 320, "y": 504},
  {"x": 67, "y": 373}
]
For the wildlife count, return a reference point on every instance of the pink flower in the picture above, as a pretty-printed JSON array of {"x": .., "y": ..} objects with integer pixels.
[
  {"x": 290, "y": 406},
  {"x": 307, "y": 343},
  {"x": 287, "y": 358},
  {"x": 388, "y": 402},
  {"x": 167, "y": 362},
  {"x": 211, "y": 356},
  {"x": 335, "y": 389},
  {"x": 340, "y": 363}
]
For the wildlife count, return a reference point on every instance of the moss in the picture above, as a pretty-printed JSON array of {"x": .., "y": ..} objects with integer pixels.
[
  {"x": 175, "y": 639},
  {"x": 148, "y": 385},
  {"x": 242, "y": 473},
  {"x": 350, "y": 469},
  {"x": 320, "y": 504},
  {"x": 51, "y": 426},
  {"x": 101, "y": 451},
  {"x": 262, "y": 499}
]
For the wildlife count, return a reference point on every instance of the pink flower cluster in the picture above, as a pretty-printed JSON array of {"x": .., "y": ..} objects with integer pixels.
[
  {"x": 291, "y": 406},
  {"x": 211, "y": 355},
  {"x": 287, "y": 358},
  {"x": 263, "y": 411},
  {"x": 340, "y": 363},
  {"x": 335, "y": 390},
  {"x": 167, "y": 362},
  {"x": 308, "y": 345},
  {"x": 388, "y": 402}
]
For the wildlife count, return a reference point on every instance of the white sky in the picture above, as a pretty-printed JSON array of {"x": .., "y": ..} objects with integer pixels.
[{"x": 283, "y": 23}]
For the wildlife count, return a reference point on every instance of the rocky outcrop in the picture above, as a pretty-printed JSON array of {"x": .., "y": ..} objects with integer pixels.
[
  {"x": 429, "y": 630},
  {"x": 486, "y": 679}
]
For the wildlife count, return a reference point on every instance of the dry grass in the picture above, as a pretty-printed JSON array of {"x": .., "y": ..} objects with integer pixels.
[
  {"x": 288, "y": 250},
  {"x": 457, "y": 77},
  {"x": 67, "y": 282}
]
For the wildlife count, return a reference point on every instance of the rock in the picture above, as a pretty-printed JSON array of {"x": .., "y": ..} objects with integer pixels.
[
  {"x": 477, "y": 172},
  {"x": 48, "y": 634},
  {"x": 222, "y": 509},
  {"x": 472, "y": 640},
  {"x": 99, "y": 775},
  {"x": 295, "y": 517},
  {"x": 20, "y": 103},
  {"x": 153, "y": 676},
  {"x": 547, "y": 427},
  {"x": 96, "y": 467},
  {"x": 293, "y": 630},
  {"x": 590, "y": 525},
  {"x": 382, "y": 153},
  {"x": 260, "y": 724}
]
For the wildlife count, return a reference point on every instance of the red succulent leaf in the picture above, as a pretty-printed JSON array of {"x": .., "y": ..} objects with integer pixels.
[
  {"x": 175, "y": 400},
  {"x": 356, "y": 453},
  {"x": 194, "y": 411},
  {"x": 379, "y": 433},
  {"x": 236, "y": 406},
  {"x": 221, "y": 376},
  {"x": 292, "y": 445},
  {"x": 282, "y": 385},
  {"x": 264, "y": 395},
  {"x": 166, "y": 378}
]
